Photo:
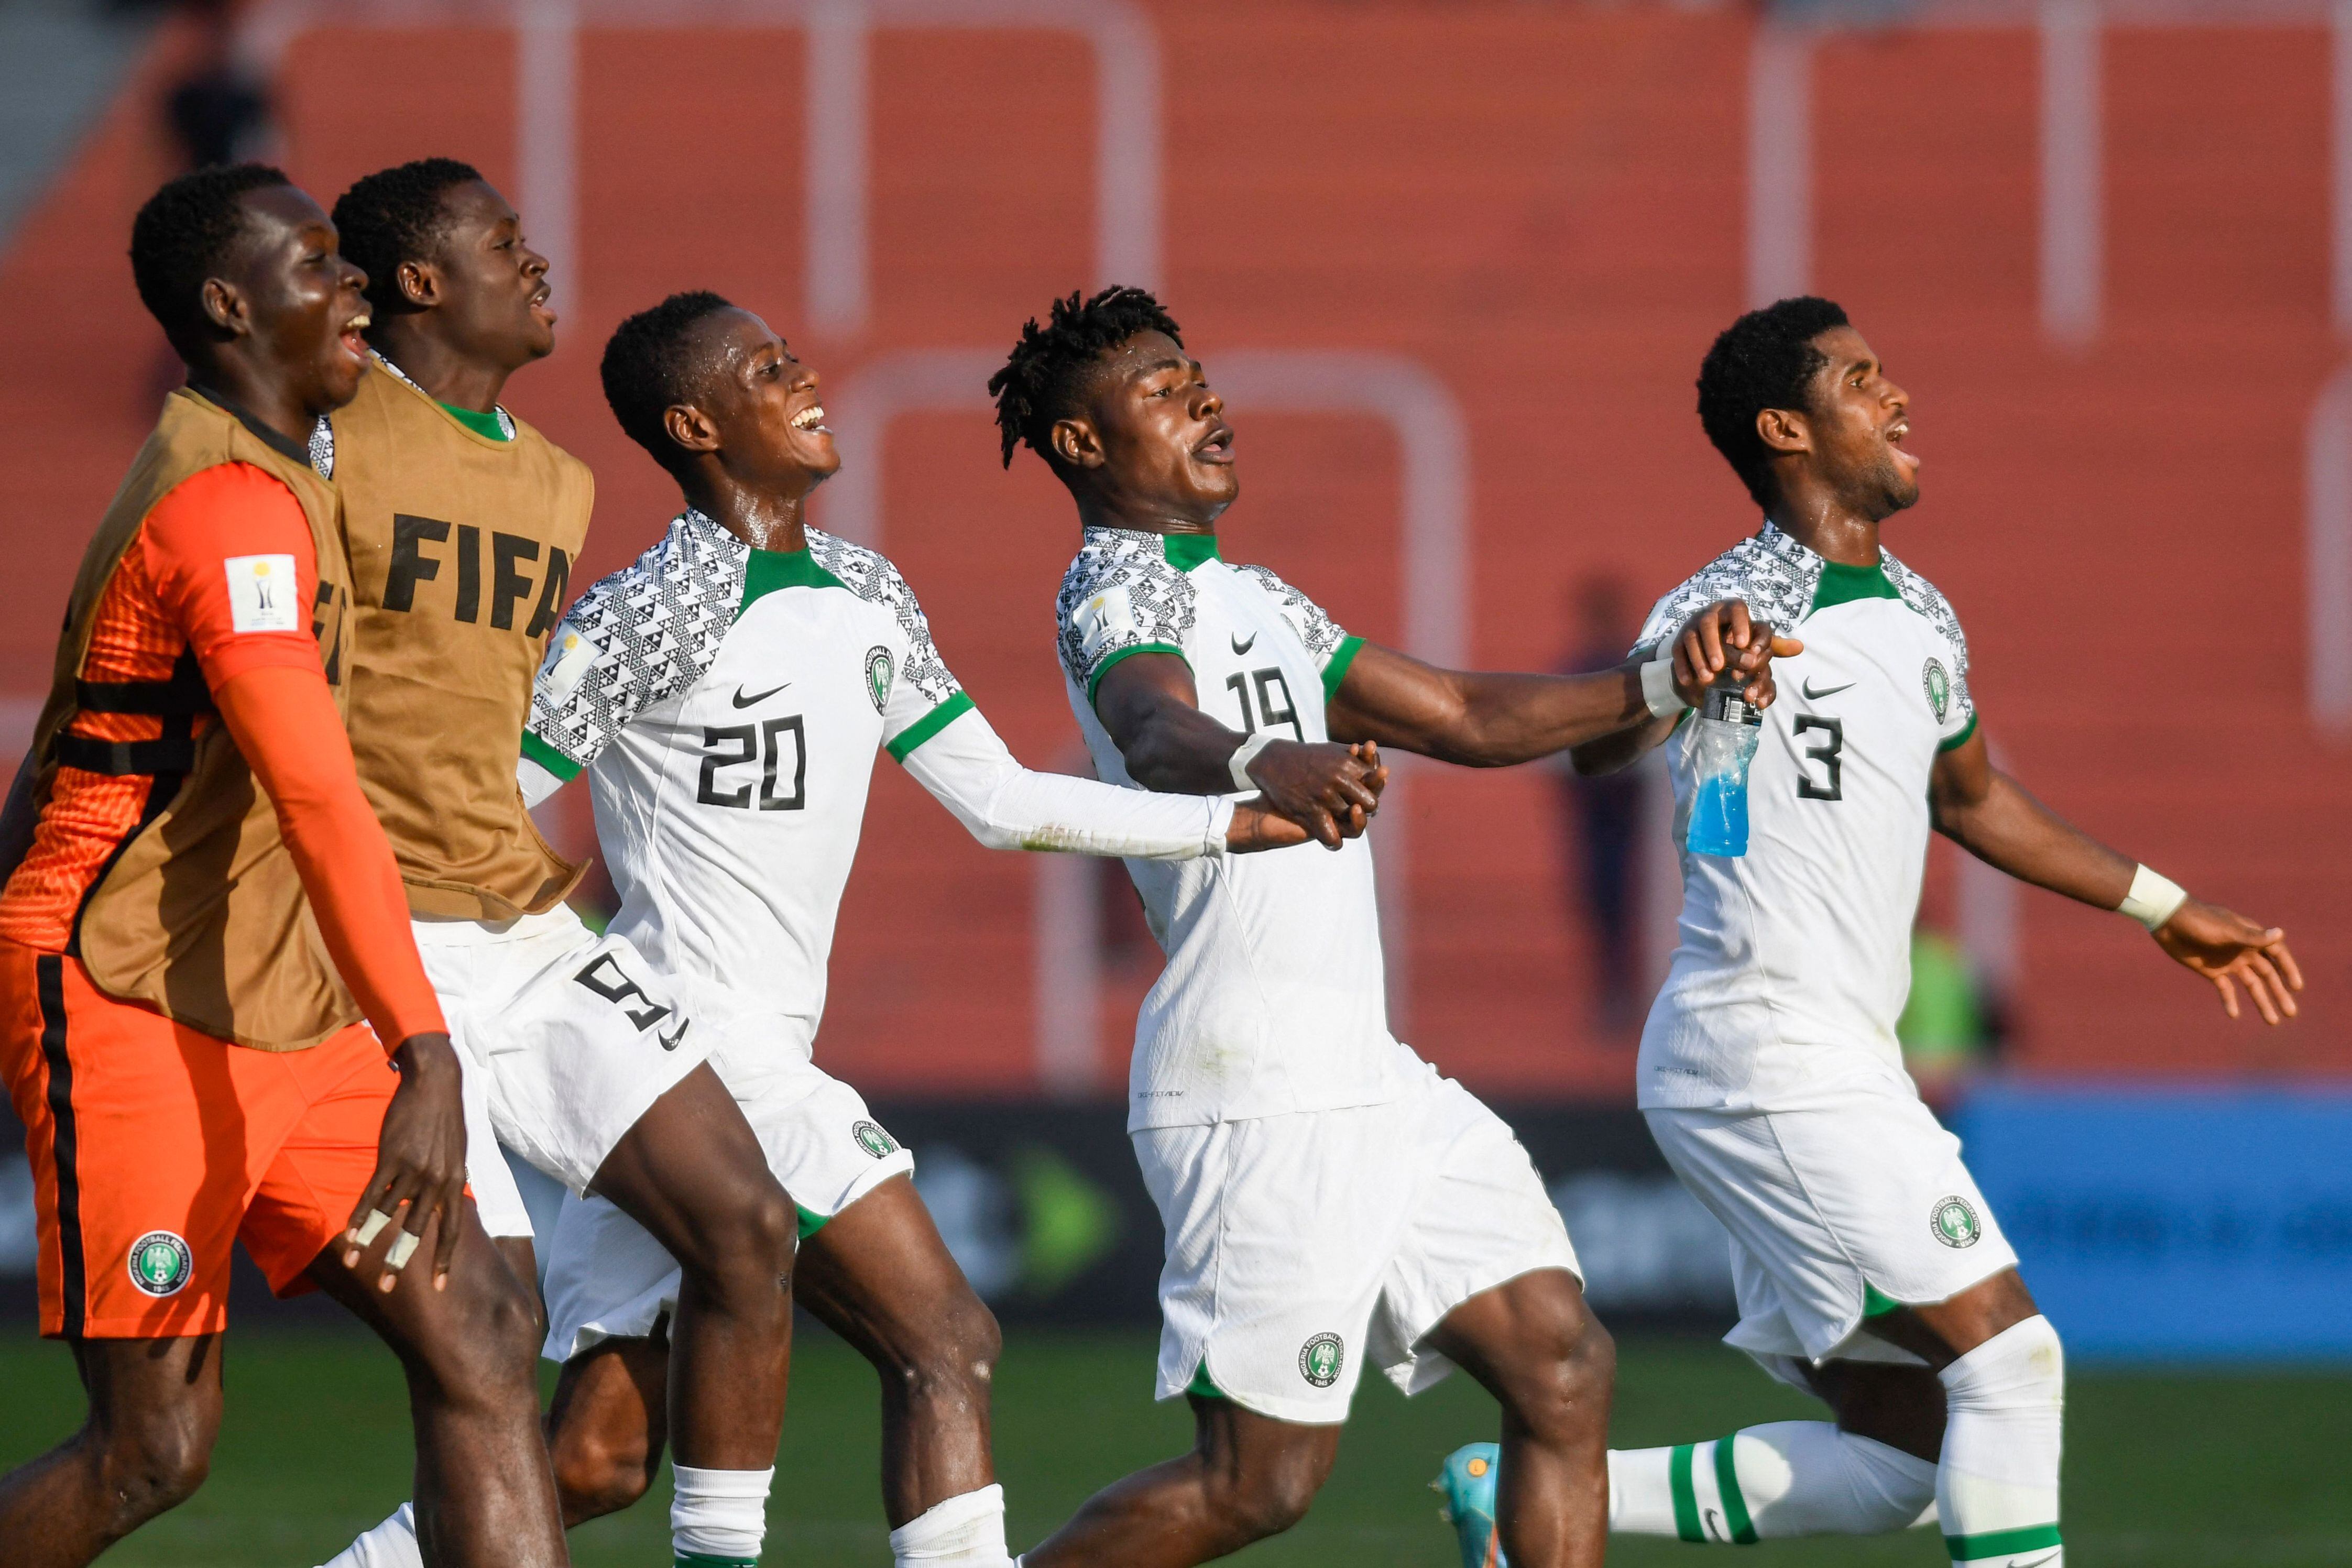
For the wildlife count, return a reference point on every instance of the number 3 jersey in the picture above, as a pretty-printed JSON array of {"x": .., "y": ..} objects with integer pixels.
[
  {"x": 1795, "y": 958},
  {"x": 727, "y": 704},
  {"x": 1273, "y": 1000}
]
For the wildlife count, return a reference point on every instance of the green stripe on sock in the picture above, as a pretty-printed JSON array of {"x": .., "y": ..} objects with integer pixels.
[
  {"x": 704, "y": 1560},
  {"x": 1735, "y": 1505},
  {"x": 1678, "y": 1478},
  {"x": 2001, "y": 1543}
]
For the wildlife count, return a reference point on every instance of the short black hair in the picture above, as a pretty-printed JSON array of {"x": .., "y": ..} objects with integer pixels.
[
  {"x": 1041, "y": 377},
  {"x": 647, "y": 368},
  {"x": 394, "y": 216},
  {"x": 183, "y": 233},
  {"x": 1764, "y": 360}
]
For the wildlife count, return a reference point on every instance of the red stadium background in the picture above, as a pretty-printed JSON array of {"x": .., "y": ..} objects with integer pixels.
[{"x": 1515, "y": 223}]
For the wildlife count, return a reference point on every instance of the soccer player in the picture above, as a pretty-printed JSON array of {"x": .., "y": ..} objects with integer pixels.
[
  {"x": 726, "y": 695},
  {"x": 1869, "y": 1269},
  {"x": 176, "y": 1027},
  {"x": 463, "y": 522},
  {"x": 1330, "y": 1199}
]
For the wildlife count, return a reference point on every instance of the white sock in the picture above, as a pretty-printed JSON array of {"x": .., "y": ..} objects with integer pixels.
[
  {"x": 717, "y": 1518},
  {"x": 965, "y": 1530},
  {"x": 392, "y": 1544},
  {"x": 2005, "y": 1404},
  {"x": 1789, "y": 1478}
]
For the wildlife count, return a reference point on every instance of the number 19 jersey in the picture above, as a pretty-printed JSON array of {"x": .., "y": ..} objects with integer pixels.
[
  {"x": 1795, "y": 958},
  {"x": 1274, "y": 998}
]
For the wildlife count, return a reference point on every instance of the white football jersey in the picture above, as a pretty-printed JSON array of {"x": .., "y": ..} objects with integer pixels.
[
  {"x": 1273, "y": 996},
  {"x": 727, "y": 704},
  {"x": 1795, "y": 958}
]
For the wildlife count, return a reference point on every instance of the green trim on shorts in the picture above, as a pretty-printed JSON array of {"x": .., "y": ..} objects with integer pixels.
[
  {"x": 704, "y": 1560},
  {"x": 1876, "y": 1304},
  {"x": 811, "y": 1223},
  {"x": 2001, "y": 1543},
  {"x": 1203, "y": 1386}
]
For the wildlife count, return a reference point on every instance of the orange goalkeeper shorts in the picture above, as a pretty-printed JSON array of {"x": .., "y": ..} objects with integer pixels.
[{"x": 156, "y": 1147}]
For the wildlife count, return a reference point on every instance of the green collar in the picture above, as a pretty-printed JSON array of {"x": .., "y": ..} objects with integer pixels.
[
  {"x": 1841, "y": 583},
  {"x": 767, "y": 570},
  {"x": 1186, "y": 552},
  {"x": 485, "y": 425}
]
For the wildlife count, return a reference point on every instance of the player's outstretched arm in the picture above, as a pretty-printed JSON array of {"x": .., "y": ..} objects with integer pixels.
[
  {"x": 1148, "y": 704},
  {"x": 968, "y": 769},
  {"x": 1483, "y": 720},
  {"x": 1990, "y": 814}
]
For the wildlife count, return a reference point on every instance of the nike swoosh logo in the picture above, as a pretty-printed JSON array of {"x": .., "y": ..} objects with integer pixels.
[
  {"x": 1812, "y": 696},
  {"x": 739, "y": 700},
  {"x": 2038, "y": 1562},
  {"x": 1242, "y": 647}
]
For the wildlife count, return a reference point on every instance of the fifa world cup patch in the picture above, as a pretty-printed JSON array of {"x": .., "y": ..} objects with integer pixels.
[
  {"x": 1320, "y": 1359},
  {"x": 1954, "y": 1221},
  {"x": 1106, "y": 622},
  {"x": 160, "y": 1263},
  {"x": 1939, "y": 687},
  {"x": 263, "y": 593}
]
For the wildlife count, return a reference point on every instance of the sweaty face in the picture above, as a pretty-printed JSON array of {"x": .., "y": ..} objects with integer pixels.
[
  {"x": 303, "y": 308},
  {"x": 493, "y": 287},
  {"x": 764, "y": 403},
  {"x": 1859, "y": 423},
  {"x": 1163, "y": 434}
]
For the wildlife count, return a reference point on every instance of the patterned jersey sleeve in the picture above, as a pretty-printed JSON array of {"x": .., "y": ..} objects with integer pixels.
[
  {"x": 910, "y": 683},
  {"x": 638, "y": 637},
  {"x": 1774, "y": 589},
  {"x": 1322, "y": 636},
  {"x": 1120, "y": 596},
  {"x": 1957, "y": 712}
]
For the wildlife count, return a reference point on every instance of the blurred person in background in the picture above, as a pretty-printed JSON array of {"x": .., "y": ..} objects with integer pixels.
[
  {"x": 1603, "y": 816},
  {"x": 205, "y": 955},
  {"x": 218, "y": 110}
]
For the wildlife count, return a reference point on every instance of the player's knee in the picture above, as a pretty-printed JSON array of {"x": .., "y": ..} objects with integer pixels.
[
  {"x": 597, "y": 1473},
  {"x": 1559, "y": 1383},
  {"x": 155, "y": 1461},
  {"x": 489, "y": 1358},
  {"x": 1266, "y": 1501},
  {"x": 748, "y": 1249},
  {"x": 954, "y": 1359}
]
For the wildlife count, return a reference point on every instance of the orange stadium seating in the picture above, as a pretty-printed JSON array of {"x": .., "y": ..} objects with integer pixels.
[{"x": 1543, "y": 208}]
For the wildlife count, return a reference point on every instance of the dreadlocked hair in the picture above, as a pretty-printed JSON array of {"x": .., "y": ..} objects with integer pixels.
[
  {"x": 183, "y": 233},
  {"x": 648, "y": 368},
  {"x": 1764, "y": 360},
  {"x": 394, "y": 216},
  {"x": 1041, "y": 377}
]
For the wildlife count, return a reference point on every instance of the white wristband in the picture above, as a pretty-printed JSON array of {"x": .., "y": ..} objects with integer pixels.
[
  {"x": 1658, "y": 688},
  {"x": 2153, "y": 899},
  {"x": 1246, "y": 753}
]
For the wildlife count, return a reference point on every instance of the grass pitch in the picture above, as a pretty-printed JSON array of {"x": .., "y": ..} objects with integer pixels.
[{"x": 2237, "y": 1468}]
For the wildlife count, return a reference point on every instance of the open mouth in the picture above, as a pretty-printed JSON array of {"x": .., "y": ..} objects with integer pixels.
[
  {"x": 538, "y": 303},
  {"x": 1896, "y": 433},
  {"x": 353, "y": 337},
  {"x": 1217, "y": 446},
  {"x": 810, "y": 418}
]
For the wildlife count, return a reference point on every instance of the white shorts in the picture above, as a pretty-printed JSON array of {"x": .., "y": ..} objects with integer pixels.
[
  {"x": 1300, "y": 1246},
  {"x": 608, "y": 1279},
  {"x": 571, "y": 1035},
  {"x": 1859, "y": 1202}
]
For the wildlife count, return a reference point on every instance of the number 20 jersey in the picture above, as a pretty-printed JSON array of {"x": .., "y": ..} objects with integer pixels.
[
  {"x": 1795, "y": 958},
  {"x": 1274, "y": 998}
]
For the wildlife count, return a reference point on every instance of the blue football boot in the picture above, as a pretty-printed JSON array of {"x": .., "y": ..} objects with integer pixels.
[{"x": 1467, "y": 1485}]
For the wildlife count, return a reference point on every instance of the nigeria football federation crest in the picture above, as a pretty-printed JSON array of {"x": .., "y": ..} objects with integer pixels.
[
  {"x": 874, "y": 1140},
  {"x": 1939, "y": 688},
  {"x": 1320, "y": 1358},
  {"x": 160, "y": 1263},
  {"x": 877, "y": 677},
  {"x": 1954, "y": 1221}
]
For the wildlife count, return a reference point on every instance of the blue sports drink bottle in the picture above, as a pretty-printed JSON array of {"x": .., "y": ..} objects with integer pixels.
[{"x": 1722, "y": 745}]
